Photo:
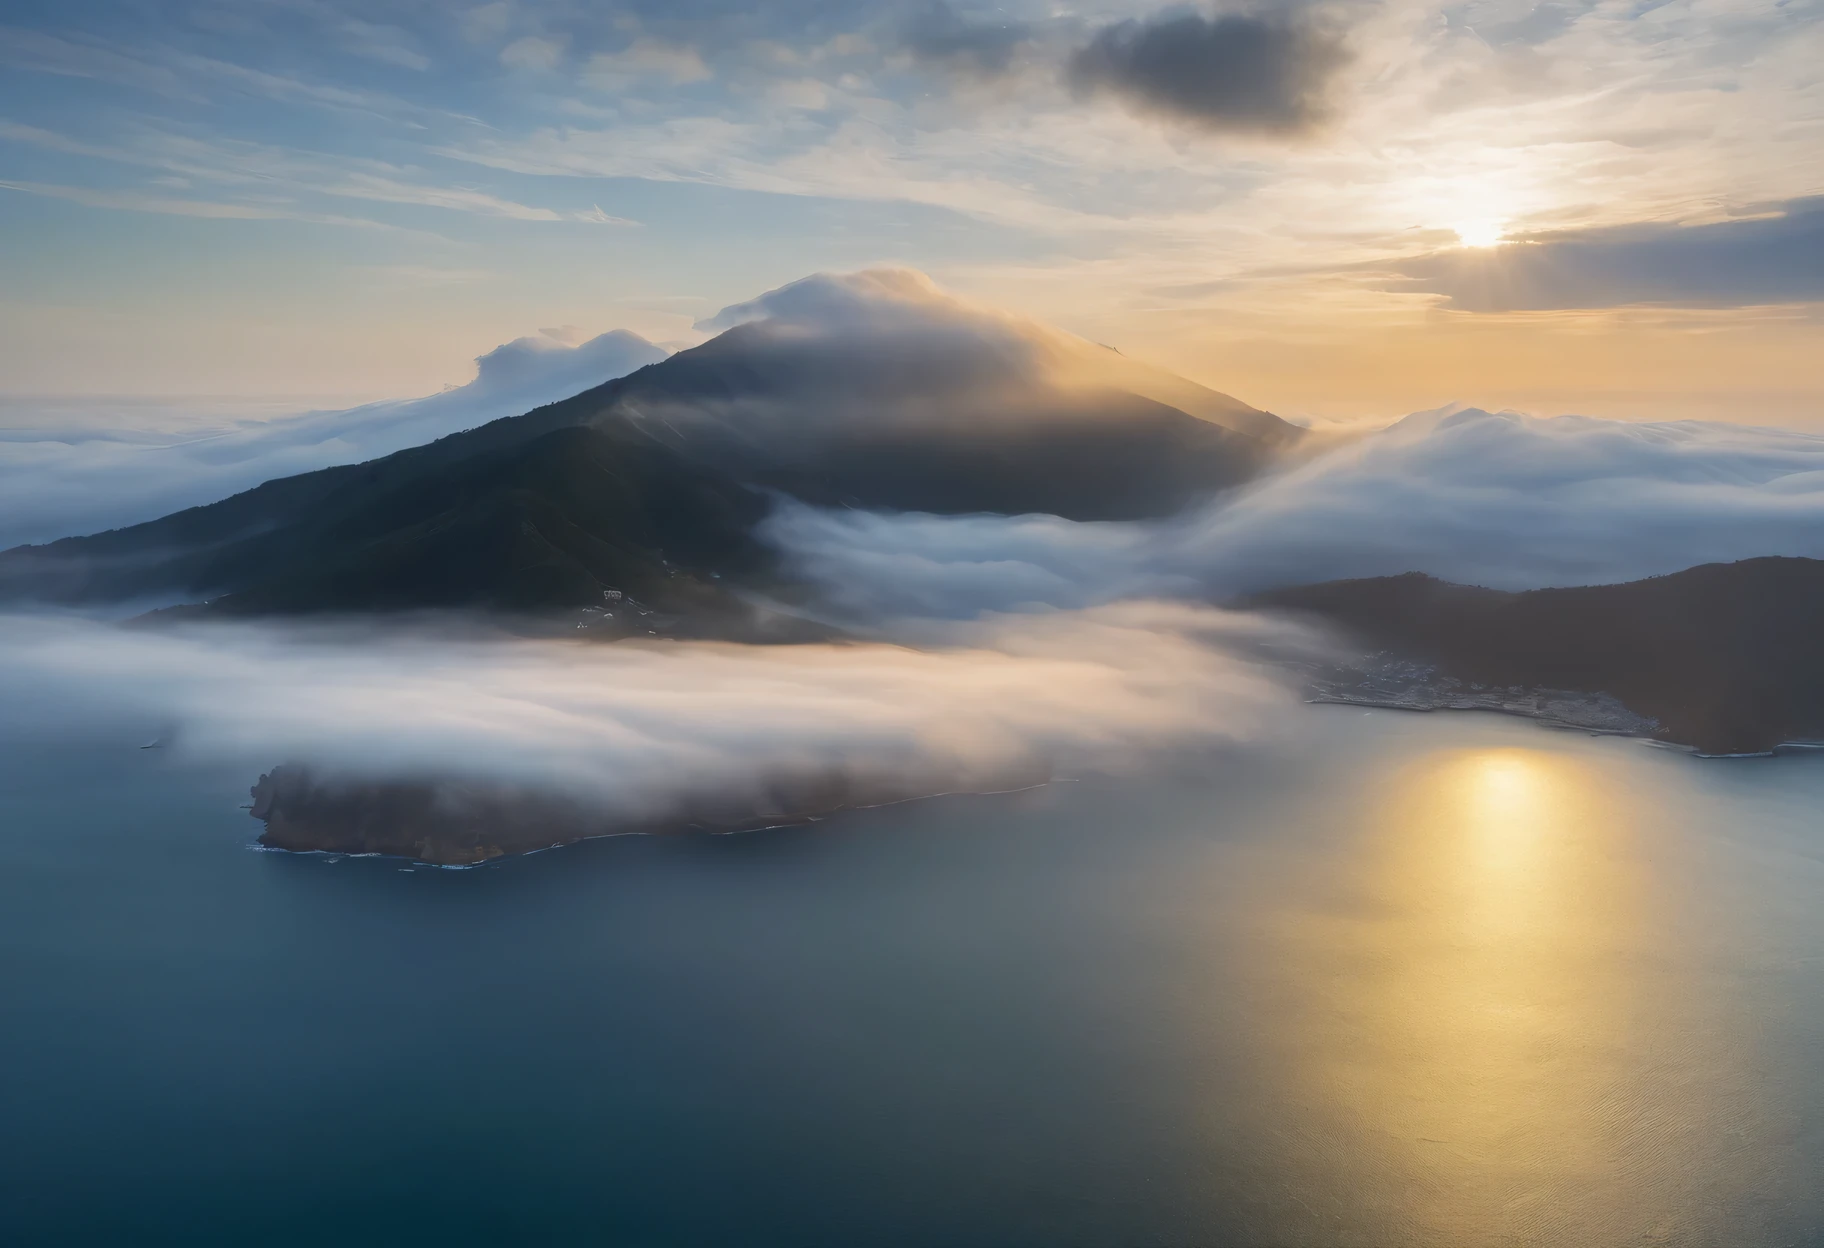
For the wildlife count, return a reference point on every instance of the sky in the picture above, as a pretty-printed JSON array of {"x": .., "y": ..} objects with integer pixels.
[{"x": 1335, "y": 211}]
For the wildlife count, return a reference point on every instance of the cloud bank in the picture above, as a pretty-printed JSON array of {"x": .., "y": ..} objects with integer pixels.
[
  {"x": 70, "y": 477},
  {"x": 641, "y": 730},
  {"x": 1503, "y": 500}
]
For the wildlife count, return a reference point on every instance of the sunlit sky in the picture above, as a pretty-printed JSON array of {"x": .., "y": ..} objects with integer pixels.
[{"x": 1334, "y": 211}]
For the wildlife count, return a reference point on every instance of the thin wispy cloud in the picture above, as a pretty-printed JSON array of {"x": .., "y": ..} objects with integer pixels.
[
  {"x": 136, "y": 201},
  {"x": 1270, "y": 157},
  {"x": 297, "y": 173},
  {"x": 937, "y": 34}
]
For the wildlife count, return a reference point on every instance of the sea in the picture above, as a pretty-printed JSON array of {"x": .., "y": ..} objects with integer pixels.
[{"x": 1401, "y": 979}]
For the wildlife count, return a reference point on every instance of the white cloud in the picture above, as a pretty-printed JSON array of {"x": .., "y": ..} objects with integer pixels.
[
  {"x": 646, "y": 730},
  {"x": 1508, "y": 501},
  {"x": 261, "y": 168},
  {"x": 165, "y": 205},
  {"x": 387, "y": 44},
  {"x": 486, "y": 22},
  {"x": 533, "y": 53},
  {"x": 647, "y": 58}
]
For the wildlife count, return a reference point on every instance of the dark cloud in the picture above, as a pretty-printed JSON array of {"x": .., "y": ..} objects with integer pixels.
[
  {"x": 1265, "y": 74},
  {"x": 939, "y": 35},
  {"x": 1726, "y": 264}
]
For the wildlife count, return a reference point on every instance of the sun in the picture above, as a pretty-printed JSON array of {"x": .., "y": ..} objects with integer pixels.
[{"x": 1480, "y": 233}]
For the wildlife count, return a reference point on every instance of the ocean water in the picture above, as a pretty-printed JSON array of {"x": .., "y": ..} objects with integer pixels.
[{"x": 1451, "y": 980}]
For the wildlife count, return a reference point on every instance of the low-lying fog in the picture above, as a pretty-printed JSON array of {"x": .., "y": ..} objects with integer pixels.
[
  {"x": 1504, "y": 500},
  {"x": 1000, "y": 644},
  {"x": 640, "y": 728}
]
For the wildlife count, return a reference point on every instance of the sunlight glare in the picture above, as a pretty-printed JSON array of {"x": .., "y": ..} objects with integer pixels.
[{"x": 1480, "y": 233}]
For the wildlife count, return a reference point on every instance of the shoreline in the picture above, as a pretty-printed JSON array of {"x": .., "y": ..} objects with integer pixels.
[
  {"x": 339, "y": 819},
  {"x": 366, "y": 819},
  {"x": 1781, "y": 749}
]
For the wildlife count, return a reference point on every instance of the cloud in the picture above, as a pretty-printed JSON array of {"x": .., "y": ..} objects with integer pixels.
[
  {"x": 135, "y": 201},
  {"x": 486, "y": 22},
  {"x": 871, "y": 310},
  {"x": 49, "y": 54},
  {"x": 387, "y": 44},
  {"x": 938, "y": 35},
  {"x": 64, "y": 479},
  {"x": 892, "y": 344},
  {"x": 261, "y": 169},
  {"x": 558, "y": 362},
  {"x": 595, "y": 216},
  {"x": 533, "y": 53},
  {"x": 1773, "y": 259},
  {"x": 870, "y": 564},
  {"x": 644, "y": 731},
  {"x": 647, "y": 58},
  {"x": 149, "y": 64},
  {"x": 870, "y": 302},
  {"x": 1263, "y": 74},
  {"x": 1504, "y": 500},
  {"x": 165, "y": 205}
]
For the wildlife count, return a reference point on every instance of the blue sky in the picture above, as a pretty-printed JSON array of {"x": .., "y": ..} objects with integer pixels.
[{"x": 320, "y": 198}]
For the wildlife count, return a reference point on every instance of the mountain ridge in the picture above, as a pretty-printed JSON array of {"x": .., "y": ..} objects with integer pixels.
[
  {"x": 932, "y": 416},
  {"x": 1723, "y": 656}
]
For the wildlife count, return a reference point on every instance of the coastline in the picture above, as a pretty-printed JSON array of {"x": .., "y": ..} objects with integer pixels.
[
  {"x": 449, "y": 824},
  {"x": 456, "y": 825},
  {"x": 1458, "y": 702}
]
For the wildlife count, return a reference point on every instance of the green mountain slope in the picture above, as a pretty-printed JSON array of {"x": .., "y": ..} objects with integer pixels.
[{"x": 555, "y": 521}]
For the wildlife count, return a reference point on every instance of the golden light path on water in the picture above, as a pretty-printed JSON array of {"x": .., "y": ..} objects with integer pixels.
[
  {"x": 1497, "y": 1004},
  {"x": 1512, "y": 881}
]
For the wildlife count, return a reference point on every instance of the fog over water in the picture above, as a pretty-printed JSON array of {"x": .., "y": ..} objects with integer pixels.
[
  {"x": 692, "y": 676},
  {"x": 1060, "y": 655},
  {"x": 638, "y": 728}
]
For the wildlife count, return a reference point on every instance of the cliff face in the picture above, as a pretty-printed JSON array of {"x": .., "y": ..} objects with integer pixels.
[{"x": 459, "y": 823}]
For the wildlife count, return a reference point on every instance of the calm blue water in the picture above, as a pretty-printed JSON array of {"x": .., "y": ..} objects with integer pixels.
[{"x": 1427, "y": 980}]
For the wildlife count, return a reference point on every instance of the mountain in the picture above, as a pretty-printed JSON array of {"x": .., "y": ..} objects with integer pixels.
[
  {"x": 873, "y": 390},
  {"x": 79, "y": 470},
  {"x": 1724, "y": 656},
  {"x": 928, "y": 431},
  {"x": 556, "y": 520},
  {"x": 877, "y": 390}
]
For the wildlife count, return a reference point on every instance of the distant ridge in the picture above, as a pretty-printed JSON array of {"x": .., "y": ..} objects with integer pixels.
[{"x": 1726, "y": 656}]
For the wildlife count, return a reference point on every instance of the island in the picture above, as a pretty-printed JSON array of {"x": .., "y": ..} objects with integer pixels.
[{"x": 451, "y": 822}]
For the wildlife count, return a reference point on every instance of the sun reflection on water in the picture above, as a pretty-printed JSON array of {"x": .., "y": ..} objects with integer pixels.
[
  {"x": 1478, "y": 1036},
  {"x": 1501, "y": 887}
]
